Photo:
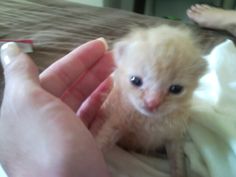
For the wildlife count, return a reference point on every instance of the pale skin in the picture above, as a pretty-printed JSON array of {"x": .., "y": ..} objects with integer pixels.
[
  {"x": 43, "y": 125},
  {"x": 212, "y": 17}
]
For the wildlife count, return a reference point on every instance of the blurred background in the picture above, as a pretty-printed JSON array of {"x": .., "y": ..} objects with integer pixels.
[{"x": 173, "y": 9}]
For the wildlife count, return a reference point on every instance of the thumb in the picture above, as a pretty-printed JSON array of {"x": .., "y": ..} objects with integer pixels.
[{"x": 18, "y": 67}]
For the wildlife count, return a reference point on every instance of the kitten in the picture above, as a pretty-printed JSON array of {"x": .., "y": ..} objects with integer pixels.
[{"x": 157, "y": 71}]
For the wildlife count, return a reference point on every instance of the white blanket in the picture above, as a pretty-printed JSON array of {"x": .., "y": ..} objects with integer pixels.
[{"x": 211, "y": 146}]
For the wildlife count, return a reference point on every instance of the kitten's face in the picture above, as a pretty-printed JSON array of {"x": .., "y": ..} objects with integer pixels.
[{"x": 158, "y": 78}]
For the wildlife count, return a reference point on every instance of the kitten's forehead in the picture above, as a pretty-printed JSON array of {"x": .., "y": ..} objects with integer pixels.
[
  {"x": 167, "y": 53},
  {"x": 151, "y": 55},
  {"x": 158, "y": 65},
  {"x": 141, "y": 57}
]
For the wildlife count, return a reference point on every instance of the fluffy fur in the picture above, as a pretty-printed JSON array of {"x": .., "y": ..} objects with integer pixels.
[{"x": 148, "y": 116}]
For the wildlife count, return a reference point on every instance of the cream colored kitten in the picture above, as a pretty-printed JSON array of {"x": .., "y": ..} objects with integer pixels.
[{"x": 157, "y": 70}]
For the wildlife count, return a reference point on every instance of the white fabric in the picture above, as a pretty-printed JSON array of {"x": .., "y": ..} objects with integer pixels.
[
  {"x": 213, "y": 130},
  {"x": 2, "y": 173},
  {"x": 211, "y": 145}
]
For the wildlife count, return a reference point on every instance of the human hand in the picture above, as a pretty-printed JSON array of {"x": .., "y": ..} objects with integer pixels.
[{"x": 40, "y": 133}]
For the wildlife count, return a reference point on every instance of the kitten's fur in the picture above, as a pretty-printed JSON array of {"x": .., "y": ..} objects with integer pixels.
[{"x": 161, "y": 56}]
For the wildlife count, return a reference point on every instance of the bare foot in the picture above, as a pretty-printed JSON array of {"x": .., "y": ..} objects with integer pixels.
[{"x": 211, "y": 17}]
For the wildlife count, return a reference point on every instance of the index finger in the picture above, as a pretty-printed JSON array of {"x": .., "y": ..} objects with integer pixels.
[{"x": 61, "y": 74}]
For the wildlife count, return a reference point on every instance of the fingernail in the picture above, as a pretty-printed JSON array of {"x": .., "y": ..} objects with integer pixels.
[
  {"x": 103, "y": 41},
  {"x": 9, "y": 51}
]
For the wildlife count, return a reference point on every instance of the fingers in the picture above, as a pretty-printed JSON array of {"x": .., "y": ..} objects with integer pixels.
[
  {"x": 87, "y": 83},
  {"x": 18, "y": 67},
  {"x": 65, "y": 71},
  {"x": 94, "y": 101}
]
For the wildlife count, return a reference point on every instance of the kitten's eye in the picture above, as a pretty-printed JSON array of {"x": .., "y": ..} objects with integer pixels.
[
  {"x": 176, "y": 89},
  {"x": 136, "y": 81}
]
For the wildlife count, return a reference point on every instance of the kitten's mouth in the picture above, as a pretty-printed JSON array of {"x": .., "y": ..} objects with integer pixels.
[
  {"x": 148, "y": 112},
  {"x": 151, "y": 110}
]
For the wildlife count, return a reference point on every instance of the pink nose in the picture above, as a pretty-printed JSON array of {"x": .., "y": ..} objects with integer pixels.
[{"x": 152, "y": 104}]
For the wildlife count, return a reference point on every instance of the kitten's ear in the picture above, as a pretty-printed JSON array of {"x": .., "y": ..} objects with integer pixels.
[{"x": 119, "y": 50}]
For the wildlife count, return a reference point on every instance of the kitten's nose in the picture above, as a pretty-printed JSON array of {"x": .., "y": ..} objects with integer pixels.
[{"x": 152, "y": 104}]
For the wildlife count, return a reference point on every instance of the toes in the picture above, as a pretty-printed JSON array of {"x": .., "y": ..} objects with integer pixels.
[
  {"x": 191, "y": 14},
  {"x": 195, "y": 8},
  {"x": 198, "y": 8},
  {"x": 196, "y": 11},
  {"x": 206, "y": 6}
]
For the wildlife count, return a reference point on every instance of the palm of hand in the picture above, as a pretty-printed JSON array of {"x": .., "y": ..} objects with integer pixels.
[{"x": 40, "y": 116}]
